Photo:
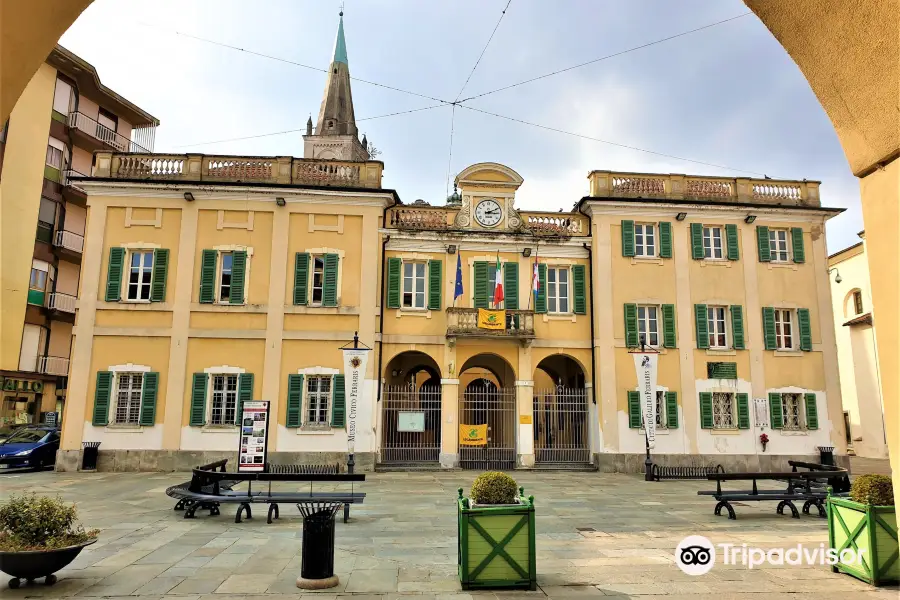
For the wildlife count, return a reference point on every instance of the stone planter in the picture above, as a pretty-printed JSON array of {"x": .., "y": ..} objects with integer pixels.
[
  {"x": 496, "y": 544},
  {"x": 871, "y": 531}
]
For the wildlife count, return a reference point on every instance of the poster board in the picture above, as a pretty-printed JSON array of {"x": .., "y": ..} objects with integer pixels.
[
  {"x": 253, "y": 443},
  {"x": 411, "y": 422}
]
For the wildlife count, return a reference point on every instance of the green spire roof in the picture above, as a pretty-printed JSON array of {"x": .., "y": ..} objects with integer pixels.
[{"x": 340, "y": 46}]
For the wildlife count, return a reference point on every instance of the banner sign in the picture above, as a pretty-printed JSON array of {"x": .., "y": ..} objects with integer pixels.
[
  {"x": 411, "y": 421},
  {"x": 355, "y": 361},
  {"x": 254, "y": 437},
  {"x": 491, "y": 319},
  {"x": 645, "y": 366},
  {"x": 473, "y": 435}
]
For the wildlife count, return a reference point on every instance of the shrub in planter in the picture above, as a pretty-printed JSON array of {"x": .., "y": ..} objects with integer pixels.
[
  {"x": 866, "y": 523},
  {"x": 496, "y": 535},
  {"x": 39, "y": 536}
]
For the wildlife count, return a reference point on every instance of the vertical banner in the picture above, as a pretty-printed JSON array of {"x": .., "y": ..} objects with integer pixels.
[
  {"x": 254, "y": 437},
  {"x": 645, "y": 366},
  {"x": 355, "y": 361}
]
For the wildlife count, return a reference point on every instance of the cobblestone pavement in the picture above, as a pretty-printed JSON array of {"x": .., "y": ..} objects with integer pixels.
[{"x": 598, "y": 535}]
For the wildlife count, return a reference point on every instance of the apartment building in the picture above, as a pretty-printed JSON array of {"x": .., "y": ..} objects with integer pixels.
[{"x": 63, "y": 116}]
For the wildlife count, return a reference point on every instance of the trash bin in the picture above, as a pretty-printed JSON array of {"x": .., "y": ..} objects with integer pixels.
[
  {"x": 317, "y": 557},
  {"x": 826, "y": 455},
  {"x": 89, "y": 456}
]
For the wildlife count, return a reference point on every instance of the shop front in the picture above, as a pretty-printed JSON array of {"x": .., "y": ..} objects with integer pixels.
[{"x": 26, "y": 399}]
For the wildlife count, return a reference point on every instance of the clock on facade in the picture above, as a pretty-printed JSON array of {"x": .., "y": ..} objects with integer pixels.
[{"x": 488, "y": 213}]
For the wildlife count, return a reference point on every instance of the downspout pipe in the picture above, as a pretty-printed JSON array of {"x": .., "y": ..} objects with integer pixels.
[
  {"x": 593, "y": 348},
  {"x": 381, "y": 312}
]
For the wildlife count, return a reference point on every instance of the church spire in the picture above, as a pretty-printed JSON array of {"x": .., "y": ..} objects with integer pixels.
[{"x": 340, "y": 45}]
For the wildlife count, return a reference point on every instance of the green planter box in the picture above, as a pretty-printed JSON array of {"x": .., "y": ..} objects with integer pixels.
[
  {"x": 871, "y": 531},
  {"x": 496, "y": 544}
]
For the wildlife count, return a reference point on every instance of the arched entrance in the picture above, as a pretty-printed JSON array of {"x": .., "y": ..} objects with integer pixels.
[
  {"x": 560, "y": 413},
  {"x": 488, "y": 398},
  {"x": 411, "y": 410}
]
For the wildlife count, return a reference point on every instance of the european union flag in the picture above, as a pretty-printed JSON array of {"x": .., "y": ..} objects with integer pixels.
[{"x": 458, "y": 290}]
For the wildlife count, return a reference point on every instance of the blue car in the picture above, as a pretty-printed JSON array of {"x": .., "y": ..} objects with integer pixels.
[{"x": 30, "y": 447}]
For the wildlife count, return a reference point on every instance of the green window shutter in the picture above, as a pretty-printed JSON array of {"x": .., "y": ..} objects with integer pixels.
[
  {"x": 668, "y": 317},
  {"x": 762, "y": 243},
  {"x": 481, "y": 285},
  {"x": 511, "y": 285},
  {"x": 776, "y": 416},
  {"x": 329, "y": 289},
  {"x": 198, "y": 400},
  {"x": 540, "y": 299},
  {"x": 294, "y": 401},
  {"x": 743, "y": 410},
  {"x": 101, "y": 398},
  {"x": 672, "y": 410},
  {"x": 634, "y": 410},
  {"x": 812, "y": 412},
  {"x": 301, "y": 278},
  {"x": 435, "y": 284},
  {"x": 805, "y": 329},
  {"x": 797, "y": 245},
  {"x": 665, "y": 240},
  {"x": 238, "y": 276},
  {"x": 208, "y": 277},
  {"x": 627, "y": 238},
  {"x": 160, "y": 272},
  {"x": 338, "y": 402},
  {"x": 733, "y": 252},
  {"x": 697, "y": 241},
  {"x": 737, "y": 327},
  {"x": 769, "y": 328},
  {"x": 631, "y": 326},
  {"x": 706, "y": 411},
  {"x": 114, "y": 274},
  {"x": 393, "y": 283},
  {"x": 148, "y": 399},
  {"x": 578, "y": 287},
  {"x": 245, "y": 394},
  {"x": 702, "y": 326}
]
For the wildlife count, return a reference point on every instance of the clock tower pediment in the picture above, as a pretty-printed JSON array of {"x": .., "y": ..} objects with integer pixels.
[{"x": 488, "y": 192}]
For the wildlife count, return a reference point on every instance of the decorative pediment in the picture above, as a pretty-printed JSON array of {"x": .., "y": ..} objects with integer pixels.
[{"x": 489, "y": 175}]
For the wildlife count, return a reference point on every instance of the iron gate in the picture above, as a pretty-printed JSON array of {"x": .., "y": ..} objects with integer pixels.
[
  {"x": 561, "y": 426},
  {"x": 411, "y": 424},
  {"x": 495, "y": 407}
]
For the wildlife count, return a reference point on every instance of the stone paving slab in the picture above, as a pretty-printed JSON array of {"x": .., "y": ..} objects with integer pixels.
[{"x": 598, "y": 535}]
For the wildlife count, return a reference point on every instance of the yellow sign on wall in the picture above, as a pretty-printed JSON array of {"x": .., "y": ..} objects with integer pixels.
[
  {"x": 473, "y": 435},
  {"x": 524, "y": 419},
  {"x": 491, "y": 319}
]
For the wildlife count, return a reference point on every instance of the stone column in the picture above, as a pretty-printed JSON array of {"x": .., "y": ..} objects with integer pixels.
[
  {"x": 449, "y": 423},
  {"x": 525, "y": 437}
]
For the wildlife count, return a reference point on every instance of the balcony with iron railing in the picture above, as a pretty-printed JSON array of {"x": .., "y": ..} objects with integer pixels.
[
  {"x": 68, "y": 243},
  {"x": 778, "y": 192},
  {"x": 239, "y": 169},
  {"x": 53, "y": 365},
  {"x": 98, "y": 136},
  {"x": 463, "y": 322},
  {"x": 71, "y": 188},
  {"x": 64, "y": 303}
]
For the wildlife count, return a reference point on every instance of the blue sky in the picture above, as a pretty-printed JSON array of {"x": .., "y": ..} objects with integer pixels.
[{"x": 728, "y": 95}]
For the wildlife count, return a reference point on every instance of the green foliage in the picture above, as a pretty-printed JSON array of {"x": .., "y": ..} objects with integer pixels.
[
  {"x": 32, "y": 522},
  {"x": 494, "y": 487},
  {"x": 876, "y": 490}
]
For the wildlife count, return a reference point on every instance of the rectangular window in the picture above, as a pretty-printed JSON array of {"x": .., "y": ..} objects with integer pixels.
[
  {"x": 644, "y": 240},
  {"x": 225, "y": 276},
  {"x": 128, "y": 398},
  {"x": 55, "y": 150},
  {"x": 648, "y": 325},
  {"x": 857, "y": 302},
  {"x": 558, "y": 290},
  {"x": 140, "y": 274},
  {"x": 318, "y": 280},
  {"x": 39, "y": 276},
  {"x": 778, "y": 245},
  {"x": 62, "y": 97},
  {"x": 46, "y": 220},
  {"x": 712, "y": 242},
  {"x": 791, "y": 405},
  {"x": 106, "y": 125},
  {"x": 661, "y": 421},
  {"x": 724, "y": 411},
  {"x": 224, "y": 399},
  {"x": 784, "y": 333},
  {"x": 715, "y": 324},
  {"x": 318, "y": 397},
  {"x": 414, "y": 285}
]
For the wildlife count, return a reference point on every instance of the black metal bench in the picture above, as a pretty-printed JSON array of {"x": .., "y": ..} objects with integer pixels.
[
  {"x": 802, "y": 486},
  {"x": 209, "y": 488},
  {"x": 839, "y": 480}
]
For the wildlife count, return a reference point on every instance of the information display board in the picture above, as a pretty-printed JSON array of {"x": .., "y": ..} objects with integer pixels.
[{"x": 254, "y": 437}]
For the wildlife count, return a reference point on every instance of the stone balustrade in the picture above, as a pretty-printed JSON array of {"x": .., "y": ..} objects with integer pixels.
[
  {"x": 420, "y": 218},
  {"x": 607, "y": 184},
  {"x": 555, "y": 224},
  {"x": 249, "y": 169},
  {"x": 463, "y": 322}
]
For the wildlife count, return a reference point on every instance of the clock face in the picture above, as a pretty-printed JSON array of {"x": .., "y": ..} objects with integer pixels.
[{"x": 488, "y": 213}]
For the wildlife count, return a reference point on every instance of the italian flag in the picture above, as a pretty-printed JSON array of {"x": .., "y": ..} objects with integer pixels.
[{"x": 498, "y": 287}]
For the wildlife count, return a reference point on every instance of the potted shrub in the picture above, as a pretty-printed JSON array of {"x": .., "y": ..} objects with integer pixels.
[
  {"x": 866, "y": 523},
  {"x": 496, "y": 535},
  {"x": 38, "y": 537}
]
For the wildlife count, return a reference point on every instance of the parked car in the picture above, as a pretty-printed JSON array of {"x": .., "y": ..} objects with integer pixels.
[
  {"x": 30, "y": 447},
  {"x": 8, "y": 430}
]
